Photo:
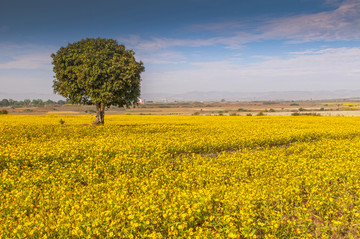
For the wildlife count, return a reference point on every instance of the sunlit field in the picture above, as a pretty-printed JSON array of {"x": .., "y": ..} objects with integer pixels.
[{"x": 179, "y": 177}]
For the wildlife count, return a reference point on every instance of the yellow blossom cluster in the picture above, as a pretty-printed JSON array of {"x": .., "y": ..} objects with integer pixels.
[{"x": 179, "y": 177}]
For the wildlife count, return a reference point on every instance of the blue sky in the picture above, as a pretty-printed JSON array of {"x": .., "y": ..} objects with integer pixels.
[{"x": 190, "y": 45}]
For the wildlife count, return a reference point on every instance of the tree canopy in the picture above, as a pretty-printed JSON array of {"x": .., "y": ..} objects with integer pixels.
[{"x": 97, "y": 71}]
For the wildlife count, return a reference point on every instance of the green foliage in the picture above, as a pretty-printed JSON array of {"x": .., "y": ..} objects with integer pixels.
[
  {"x": 4, "y": 102},
  {"x": 94, "y": 71},
  {"x": 28, "y": 102},
  {"x": 61, "y": 121},
  {"x": 38, "y": 102},
  {"x": 308, "y": 114},
  {"x": 90, "y": 111},
  {"x": 3, "y": 112}
]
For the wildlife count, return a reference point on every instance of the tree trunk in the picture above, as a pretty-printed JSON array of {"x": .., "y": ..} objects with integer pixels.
[{"x": 100, "y": 113}]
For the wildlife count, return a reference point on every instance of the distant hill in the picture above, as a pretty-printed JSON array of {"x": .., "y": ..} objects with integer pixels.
[{"x": 253, "y": 96}]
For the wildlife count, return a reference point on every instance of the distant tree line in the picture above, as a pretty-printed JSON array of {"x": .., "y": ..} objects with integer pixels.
[{"x": 29, "y": 103}]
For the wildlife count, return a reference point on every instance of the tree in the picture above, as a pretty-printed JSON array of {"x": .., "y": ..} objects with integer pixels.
[
  {"x": 4, "y": 102},
  {"x": 49, "y": 102},
  {"x": 37, "y": 102},
  {"x": 27, "y": 102},
  {"x": 97, "y": 72},
  {"x": 61, "y": 102}
]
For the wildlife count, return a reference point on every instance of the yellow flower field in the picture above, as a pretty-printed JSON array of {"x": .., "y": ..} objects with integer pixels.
[{"x": 179, "y": 177}]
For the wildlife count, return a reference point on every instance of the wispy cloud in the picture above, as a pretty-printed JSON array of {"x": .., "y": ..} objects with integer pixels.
[
  {"x": 25, "y": 57},
  {"x": 156, "y": 50},
  {"x": 157, "y": 43},
  {"x": 339, "y": 24},
  {"x": 33, "y": 61},
  {"x": 328, "y": 69},
  {"x": 162, "y": 57},
  {"x": 330, "y": 61}
]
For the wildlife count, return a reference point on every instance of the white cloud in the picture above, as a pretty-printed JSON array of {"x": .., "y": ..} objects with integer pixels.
[
  {"x": 342, "y": 23},
  {"x": 155, "y": 51},
  {"x": 328, "y": 69},
  {"x": 160, "y": 57},
  {"x": 32, "y": 61},
  {"x": 158, "y": 43},
  {"x": 331, "y": 61}
]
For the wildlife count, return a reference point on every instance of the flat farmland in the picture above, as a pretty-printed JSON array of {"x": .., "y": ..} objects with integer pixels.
[{"x": 162, "y": 176}]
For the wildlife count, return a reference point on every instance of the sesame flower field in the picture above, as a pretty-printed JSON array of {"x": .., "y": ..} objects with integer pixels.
[{"x": 179, "y": 177}]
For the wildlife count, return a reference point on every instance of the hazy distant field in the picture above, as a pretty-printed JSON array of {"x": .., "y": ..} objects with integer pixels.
[
  {"x": 324, "y": 108},
  {"x": 179, "y": 176}
]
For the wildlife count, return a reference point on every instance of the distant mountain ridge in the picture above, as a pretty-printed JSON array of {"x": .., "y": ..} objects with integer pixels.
[
  {"x": 253, "y": 96},
  {"x": 216, "y": 96}
]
